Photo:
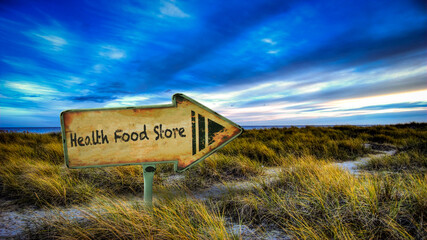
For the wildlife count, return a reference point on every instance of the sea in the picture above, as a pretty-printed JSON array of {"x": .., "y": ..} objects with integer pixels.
[
  {"x": 31, "y": 129},
  {"x": 58, "y": 129}
]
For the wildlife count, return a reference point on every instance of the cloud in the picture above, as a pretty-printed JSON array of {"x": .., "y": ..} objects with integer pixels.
[
  {"x": 254, "y": 61},
  {"x": 24, "y": 69},
  {"x": 112, "y": 52},
  {"x": 277, "y": 113},
  {"x": 49, "y": 38},
  {"x": 99, "y": 68},
  {"x": 329, "y": 83},
  {"x": 190, "y": 48},
  {"x": 127, "y": 101},
  {"x": 13, "y": 111},
  {"x": 91, "y": 98},
  {"x": 268, "y": 40},
  {"x": 273, "y": 51},
  {"x": 400, "y": 105},
  {"x": 74, "y": 80},
  {"x": 171, "y": 10},
  {"x": 56, "y": 42},
  {"x": 30, "y": 88},
  {"x": 403, "y": 97},
  {"x": 340, "y": 44}
]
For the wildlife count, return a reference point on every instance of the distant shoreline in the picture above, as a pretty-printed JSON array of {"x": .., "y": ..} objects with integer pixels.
[
  {"x": 58, "y": 129},
  {"x": 31, "y": 129}
]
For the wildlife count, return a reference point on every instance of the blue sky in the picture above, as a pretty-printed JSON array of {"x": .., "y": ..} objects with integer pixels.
[{"x": 255, "y": 62}]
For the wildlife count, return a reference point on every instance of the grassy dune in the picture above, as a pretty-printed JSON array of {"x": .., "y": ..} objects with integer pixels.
[
  {"x": 412, "y": 157},
  {"x": 316, "y": 200},
  {"x": 311, "y": 198},
  {"x": 117, "y": 219}
]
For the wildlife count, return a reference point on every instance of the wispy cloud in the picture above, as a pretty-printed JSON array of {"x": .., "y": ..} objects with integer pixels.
[
  {"x": 268, "y": 40},
  {"x": 112, "y": 52},
  {"x": 56, "y": 42},
  {"x": 404, "y": 97},
  {"x": 30, "y": 88},
  {"x": 49, "y": 38},
  {"x": 257, "y": 62},
  {"x": 171, "y": 10},
  {"x": 15, "y": 111},
  {"x": 273, "y": 51},
  {"x": 127, "y": 101}
]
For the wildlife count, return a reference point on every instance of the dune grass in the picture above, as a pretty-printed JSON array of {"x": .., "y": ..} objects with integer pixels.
[
  {"x": 271, "y": 147},
  {"x": 32, "y": 171},
  {"x": 41, "y": 183},
  {"x": 32, "y": 165},
  {"x": 117, "y": 219},
  {"x": 311, "y": 199},
  {"x": 340, "y": 143},
  {"x": 315, "y": 200},
  {"x": 40, "y": 147},
  {"x": 412, "y": 161},
  {"x": 220, "y": 168},
  {"x": 412, "y": 158}
]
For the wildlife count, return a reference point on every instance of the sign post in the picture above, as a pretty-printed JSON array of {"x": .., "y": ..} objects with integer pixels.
[
  {"x": 149, "y": 170},
  {"x": 183, "y": 133}
]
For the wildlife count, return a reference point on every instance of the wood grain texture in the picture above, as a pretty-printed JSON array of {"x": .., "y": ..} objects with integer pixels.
[{"x": 132, "y": 136}]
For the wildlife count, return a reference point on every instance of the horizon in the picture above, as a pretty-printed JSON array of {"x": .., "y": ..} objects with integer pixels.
[
  {"x": 287, "y": 125},
  {"x": 274, "y": 63}
]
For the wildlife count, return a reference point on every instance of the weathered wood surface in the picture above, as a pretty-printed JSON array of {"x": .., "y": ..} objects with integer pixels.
[{"x": 184, "y": 131}]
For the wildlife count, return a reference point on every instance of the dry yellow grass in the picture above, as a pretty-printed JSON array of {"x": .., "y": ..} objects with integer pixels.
[
  {"x": 311, "y": 199},
  {"x": 316, "y": 200},
  {"x": 112, "y": 218}
]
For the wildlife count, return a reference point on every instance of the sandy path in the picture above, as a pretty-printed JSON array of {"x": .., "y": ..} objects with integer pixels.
[{"x": 352, "y": 166}]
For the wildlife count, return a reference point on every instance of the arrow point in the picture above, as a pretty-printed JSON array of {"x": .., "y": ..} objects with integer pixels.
[
  {"x": 213, "y": 129},
  {"x": 209, "y": 130}
]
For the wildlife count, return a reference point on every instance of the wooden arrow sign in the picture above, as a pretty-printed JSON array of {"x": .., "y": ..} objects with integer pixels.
[{"x": 184, "y": 132}]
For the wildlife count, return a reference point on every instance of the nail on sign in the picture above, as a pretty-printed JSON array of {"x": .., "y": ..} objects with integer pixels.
[{"x": 184, "y": 132}]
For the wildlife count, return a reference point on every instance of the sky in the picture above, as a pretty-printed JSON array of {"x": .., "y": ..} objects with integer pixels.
[{"x": 255, "y": 62}]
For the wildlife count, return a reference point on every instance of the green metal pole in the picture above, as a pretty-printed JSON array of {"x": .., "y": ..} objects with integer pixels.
[{"x": 149, "y": 170}]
